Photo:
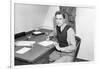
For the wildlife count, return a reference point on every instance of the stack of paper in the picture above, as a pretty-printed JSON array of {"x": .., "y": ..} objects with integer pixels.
[
  {"x": 37, "y": 32},
  {"x": 24, "y": 43},
  {"x": 23, "y": 50},
  {"x": 46, "y": 43}
]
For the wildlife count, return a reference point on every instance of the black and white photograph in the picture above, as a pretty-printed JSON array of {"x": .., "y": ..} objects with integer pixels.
[{"x": 48, "y": 34}]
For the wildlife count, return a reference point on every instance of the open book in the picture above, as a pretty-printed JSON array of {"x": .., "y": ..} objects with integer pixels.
[{"x": 46, "y": 43}]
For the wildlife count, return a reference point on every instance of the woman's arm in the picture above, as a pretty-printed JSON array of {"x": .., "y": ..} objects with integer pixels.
[{"x": 71, "y": 41}]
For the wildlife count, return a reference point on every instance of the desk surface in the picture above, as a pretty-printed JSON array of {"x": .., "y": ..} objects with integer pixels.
[{"x": 37, "y": 51}]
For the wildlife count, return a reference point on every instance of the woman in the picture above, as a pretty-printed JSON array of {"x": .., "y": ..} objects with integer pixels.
[{"x": 66, "y": 44}]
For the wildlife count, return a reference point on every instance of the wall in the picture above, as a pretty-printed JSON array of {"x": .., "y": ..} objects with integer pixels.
[
  {"x": 28, "y": 16},
  {"x": 48, "y": 22},
  {"x": 85, "y": 19}
]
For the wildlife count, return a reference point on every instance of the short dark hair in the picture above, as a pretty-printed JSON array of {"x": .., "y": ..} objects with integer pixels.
[{"x": 59, "y": 12}]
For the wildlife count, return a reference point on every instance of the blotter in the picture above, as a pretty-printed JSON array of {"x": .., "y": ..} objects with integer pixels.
[
  {"x": 24, "y": 43},
  {"x": 46, "y": 43},
  {"x": 23, "y": 50}
]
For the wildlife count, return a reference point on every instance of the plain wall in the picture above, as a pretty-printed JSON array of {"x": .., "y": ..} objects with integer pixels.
[
  {"x": 48, "y": 22},
  {"x": 28, "y": 16},
  {"x": 85, "y": 21}
]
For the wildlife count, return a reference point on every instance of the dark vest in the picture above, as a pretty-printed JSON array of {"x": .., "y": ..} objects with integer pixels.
[{"x": 62, "y": 36}]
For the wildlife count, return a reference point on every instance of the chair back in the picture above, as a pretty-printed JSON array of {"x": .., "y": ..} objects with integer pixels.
[{"x": 78, "y": 42}]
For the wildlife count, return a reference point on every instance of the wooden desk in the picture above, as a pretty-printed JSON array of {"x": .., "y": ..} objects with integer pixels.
[{"x": 38, "y": 54}]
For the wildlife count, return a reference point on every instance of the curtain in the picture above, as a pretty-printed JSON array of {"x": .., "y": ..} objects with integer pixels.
[{"x": 71, "y": 12}]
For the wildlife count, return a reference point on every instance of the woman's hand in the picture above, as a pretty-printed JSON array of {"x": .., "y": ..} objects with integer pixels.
[{"x": 56, "y": 45}]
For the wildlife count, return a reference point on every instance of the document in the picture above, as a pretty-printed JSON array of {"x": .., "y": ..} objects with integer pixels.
[
  {"x": 46, "y": 43},
  {"x": 23, "y": 50},
  {"x": 24, "y": 43}
]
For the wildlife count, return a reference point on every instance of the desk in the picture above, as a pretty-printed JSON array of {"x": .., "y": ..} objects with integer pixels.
[{"x": 38, "y": 54}]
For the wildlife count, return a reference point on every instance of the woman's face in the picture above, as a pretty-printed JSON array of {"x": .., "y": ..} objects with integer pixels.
[{"x": 59, "y": 19}]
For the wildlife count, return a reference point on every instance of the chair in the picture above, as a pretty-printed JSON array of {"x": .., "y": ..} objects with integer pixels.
[{"x": 78, "y": 42}]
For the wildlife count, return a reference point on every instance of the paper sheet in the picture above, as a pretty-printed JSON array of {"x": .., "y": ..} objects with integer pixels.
[
  {"x": 46, "y": 43},
  {"x": 23, "y": 50},
  {"x": 24, "y": 43},
  {"x": 37, "y": 32}
]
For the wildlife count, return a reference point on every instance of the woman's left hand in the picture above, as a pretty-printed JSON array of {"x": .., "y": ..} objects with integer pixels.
[{"x": 56, "y": 45}]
